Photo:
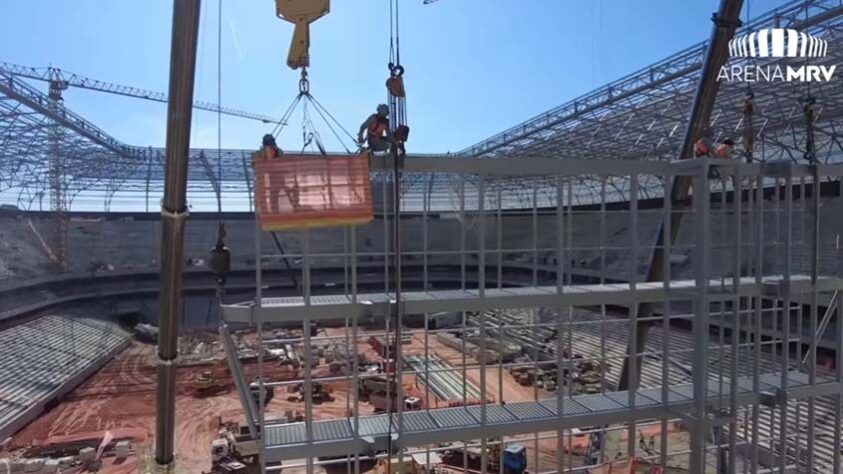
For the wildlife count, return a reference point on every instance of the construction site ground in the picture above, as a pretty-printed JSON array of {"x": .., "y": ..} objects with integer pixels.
[{"x": 120, "y": 398}]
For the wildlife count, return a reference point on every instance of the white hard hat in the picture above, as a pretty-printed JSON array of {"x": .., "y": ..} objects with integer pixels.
[{"x": 383, "y": 109}]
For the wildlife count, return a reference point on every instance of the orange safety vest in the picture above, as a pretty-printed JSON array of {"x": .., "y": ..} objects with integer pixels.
[
  {"x": 378, "y": 128},
  {"x": 700, "y": 148},
  {"x": 722, "y": 151}
]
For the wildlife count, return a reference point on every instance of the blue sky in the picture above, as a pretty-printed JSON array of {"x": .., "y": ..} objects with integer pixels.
[{"x": 474, "y": 67}]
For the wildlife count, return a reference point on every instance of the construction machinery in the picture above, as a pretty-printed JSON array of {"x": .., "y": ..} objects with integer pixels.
[
  {"x": 514, "y": 458},
  {"x": 234, "y": 443},
  {"x": 319, "y": 392},
  {"x": 212, "y": 382},
  {"x": 255, "y": 390}
]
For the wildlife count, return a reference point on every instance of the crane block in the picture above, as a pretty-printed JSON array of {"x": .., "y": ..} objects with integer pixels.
[{"x": 301, "y": 13}]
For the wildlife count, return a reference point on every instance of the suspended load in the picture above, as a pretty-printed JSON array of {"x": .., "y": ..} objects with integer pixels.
[
  {"x": 299, "y": 191},
  {"x": 308, "y": 192}
]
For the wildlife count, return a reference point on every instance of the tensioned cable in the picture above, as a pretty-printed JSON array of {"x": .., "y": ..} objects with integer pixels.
[
  {"x": 283, "y": 122},
  {"x": 330, "y": 127},
  {"x": 337, "y": 122}
]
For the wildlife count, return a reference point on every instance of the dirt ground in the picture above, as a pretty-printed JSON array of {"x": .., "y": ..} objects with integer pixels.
[{"x": 121, "y": 398}]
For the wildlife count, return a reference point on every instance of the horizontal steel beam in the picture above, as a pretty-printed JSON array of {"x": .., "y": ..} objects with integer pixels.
[{"x": 289, "y": 309}]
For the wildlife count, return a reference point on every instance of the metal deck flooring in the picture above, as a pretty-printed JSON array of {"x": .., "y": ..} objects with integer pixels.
[
  {"x": 339, "y": 437},
  {"x": 286, "y": 309}
]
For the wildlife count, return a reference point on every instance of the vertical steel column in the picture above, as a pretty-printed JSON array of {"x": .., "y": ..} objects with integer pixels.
[
  {"x": 737, "y": 202},
  {"x": 500, "y": 239},
  {"x": 535, "y": 316},
  {"x": 569, "y": 240},
  {"x": 308, "y": 350},
  {"x": 148, "y": 176},
  {"x": 757, "y": 316},
  {"x": 725, "y": 22},
  {"x": 603, "y": 315},
  {"x": 634, "y": 362},
  {"x": 258, "y": 304},
  {"x": 397, "y": 308},
  {"x": 838, "y": 375},
  {"x": 699, "y": 431},
  {"x": 248, "y": 182},
  {"x": 560, "y": 284},
  {"x": 385, "y": 214},
  {"x": 815, "y": 270},
  {"x": 500, "y": 323},
  {"x": 666, "y": 279},
  {"x": 481, "y": 293},
  {"x": 786, "y": 310},
  {"x": 462, "y": 221},
  {"x": 355, "y": 360},
  {"x": 174, "y": 213},
  {"x": 535, "y": 235}
]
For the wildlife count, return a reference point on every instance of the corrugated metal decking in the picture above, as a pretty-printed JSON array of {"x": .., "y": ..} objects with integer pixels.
[{"x": 441, "y": 425}]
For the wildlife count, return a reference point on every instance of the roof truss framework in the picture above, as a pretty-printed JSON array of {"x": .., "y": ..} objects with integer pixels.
[{"x": 639, "y": 117}]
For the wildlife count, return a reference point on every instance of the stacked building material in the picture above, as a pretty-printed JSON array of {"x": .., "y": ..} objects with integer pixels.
[{"x": 443, "y": 380}]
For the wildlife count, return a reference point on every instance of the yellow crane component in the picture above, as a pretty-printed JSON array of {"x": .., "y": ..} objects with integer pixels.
[{"x": 301, "y": 13}]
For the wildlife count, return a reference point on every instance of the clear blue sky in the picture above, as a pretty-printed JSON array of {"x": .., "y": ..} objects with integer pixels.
[{"x": 474, "y": 67}]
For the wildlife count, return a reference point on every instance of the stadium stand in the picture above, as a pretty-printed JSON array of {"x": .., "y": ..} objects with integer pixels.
[{"x": 45, "y": 358}]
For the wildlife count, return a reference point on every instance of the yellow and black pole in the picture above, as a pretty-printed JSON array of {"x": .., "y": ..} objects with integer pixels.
[{"x": 173, "y": 216}]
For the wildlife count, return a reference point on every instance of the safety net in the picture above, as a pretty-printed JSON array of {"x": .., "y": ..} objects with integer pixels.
[{"x": 305, "y": 192}]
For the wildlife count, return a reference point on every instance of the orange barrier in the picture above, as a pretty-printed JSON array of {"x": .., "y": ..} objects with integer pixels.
[{"x": 306, "y": 192}]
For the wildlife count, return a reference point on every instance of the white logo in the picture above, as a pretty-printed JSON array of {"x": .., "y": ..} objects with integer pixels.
[{"x": 777, "y": 43}]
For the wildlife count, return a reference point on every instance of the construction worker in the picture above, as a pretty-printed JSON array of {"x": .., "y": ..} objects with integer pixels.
[
  {"x": 724, "y": 149},
  {"x": 275, "y": 184},
  {"x": 703, "y": 146},
  {"x": 378, "y": 135},
  {"x": 269, "y": 149}
]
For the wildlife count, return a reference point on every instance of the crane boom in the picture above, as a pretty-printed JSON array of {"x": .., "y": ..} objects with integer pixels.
[{"x": 65, "y": 79}]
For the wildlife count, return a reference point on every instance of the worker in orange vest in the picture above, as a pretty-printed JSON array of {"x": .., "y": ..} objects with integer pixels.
[
  {"x": 703, "y": 146},
  {"x": 276, "y": 184},
  {"x": 378, "y": 135},
  {"x": 724, "y": 149},
  {"x": 269, "y": 149}
]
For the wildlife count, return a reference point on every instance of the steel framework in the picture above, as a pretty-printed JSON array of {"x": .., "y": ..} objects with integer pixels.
[
  {"x": 721, "y": 387},
  {"x": 638, "y": 117}
]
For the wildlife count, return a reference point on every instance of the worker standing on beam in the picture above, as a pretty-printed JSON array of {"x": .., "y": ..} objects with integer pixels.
[{"x": 376, "y": 126}]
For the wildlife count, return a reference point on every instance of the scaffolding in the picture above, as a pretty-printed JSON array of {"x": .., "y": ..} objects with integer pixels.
[{"x": 733, "y": 378}]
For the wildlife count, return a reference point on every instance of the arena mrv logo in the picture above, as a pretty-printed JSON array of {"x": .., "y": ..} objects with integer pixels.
[{"x": 771, "y": 43}]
